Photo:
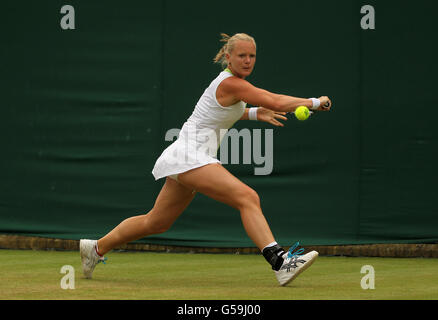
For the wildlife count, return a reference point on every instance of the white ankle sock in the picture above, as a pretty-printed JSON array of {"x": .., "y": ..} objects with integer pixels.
[
  {"x": 97, "y": 250},
  {"x": 270, "y": 245}
]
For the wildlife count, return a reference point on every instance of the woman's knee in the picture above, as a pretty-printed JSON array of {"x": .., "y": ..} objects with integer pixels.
[
  {"x": 159, "y": 228},
  {"x": 248, "y": 197},
  {"x": 156, "y": 225}
]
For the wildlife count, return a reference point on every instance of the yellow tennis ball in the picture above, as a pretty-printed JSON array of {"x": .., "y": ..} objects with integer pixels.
[{"x": 302, "y": 113}]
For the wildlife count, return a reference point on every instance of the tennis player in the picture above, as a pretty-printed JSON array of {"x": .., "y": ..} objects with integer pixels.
[{"x": 186, "y": 172}]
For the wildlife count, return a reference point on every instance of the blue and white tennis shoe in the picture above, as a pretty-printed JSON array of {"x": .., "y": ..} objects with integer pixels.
[{"x": 294, "y": 263}]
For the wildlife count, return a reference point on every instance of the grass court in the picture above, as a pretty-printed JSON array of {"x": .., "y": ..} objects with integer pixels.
[{"x": 36, "y": 275}]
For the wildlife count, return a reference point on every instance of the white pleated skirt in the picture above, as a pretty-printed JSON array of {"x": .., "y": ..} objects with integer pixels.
[{"x": 194, "y": 148}]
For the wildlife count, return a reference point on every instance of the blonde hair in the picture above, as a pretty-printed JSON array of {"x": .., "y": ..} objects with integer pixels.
[{"x": 229, "y": 46}]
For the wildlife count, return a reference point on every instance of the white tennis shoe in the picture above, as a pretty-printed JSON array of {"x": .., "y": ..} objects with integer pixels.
[
  {"x": 294, "y": 264},
  {"x": 89, "y": 256}
]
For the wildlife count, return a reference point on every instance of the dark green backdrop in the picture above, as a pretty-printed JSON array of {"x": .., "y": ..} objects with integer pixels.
[{"x": 84, "y": 113}]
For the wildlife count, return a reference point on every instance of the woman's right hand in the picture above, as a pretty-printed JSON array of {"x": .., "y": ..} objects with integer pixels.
[{"x": 326, "y": 103}]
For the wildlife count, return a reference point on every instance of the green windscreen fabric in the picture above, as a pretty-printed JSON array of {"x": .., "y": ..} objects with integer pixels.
[
  {"x": 399, "y": 137},
  {"x": 86, "y": 111},
  {"x": 80, "y": 111}
]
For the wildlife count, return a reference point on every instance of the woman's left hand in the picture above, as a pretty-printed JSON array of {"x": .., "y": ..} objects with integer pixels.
[{"x": 270, "y": 116}]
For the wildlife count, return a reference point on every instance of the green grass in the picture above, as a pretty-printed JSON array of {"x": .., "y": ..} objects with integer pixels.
[{"x": 27, "y": 274}]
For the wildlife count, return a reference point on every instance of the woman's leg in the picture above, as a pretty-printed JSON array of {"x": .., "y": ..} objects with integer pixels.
[
  {"x": 218, "y": 183},
  {"x": 170, "y": 203}
]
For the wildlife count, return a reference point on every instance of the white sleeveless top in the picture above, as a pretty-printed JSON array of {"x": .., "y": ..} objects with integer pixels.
[{"x": 200, "y": 136}]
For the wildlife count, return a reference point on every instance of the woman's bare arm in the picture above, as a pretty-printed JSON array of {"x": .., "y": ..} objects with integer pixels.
[{"x": 242, "y": 90}]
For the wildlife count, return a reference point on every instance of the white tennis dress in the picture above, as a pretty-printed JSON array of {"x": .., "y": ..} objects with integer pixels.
[{"x": 200, "y": 136}]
